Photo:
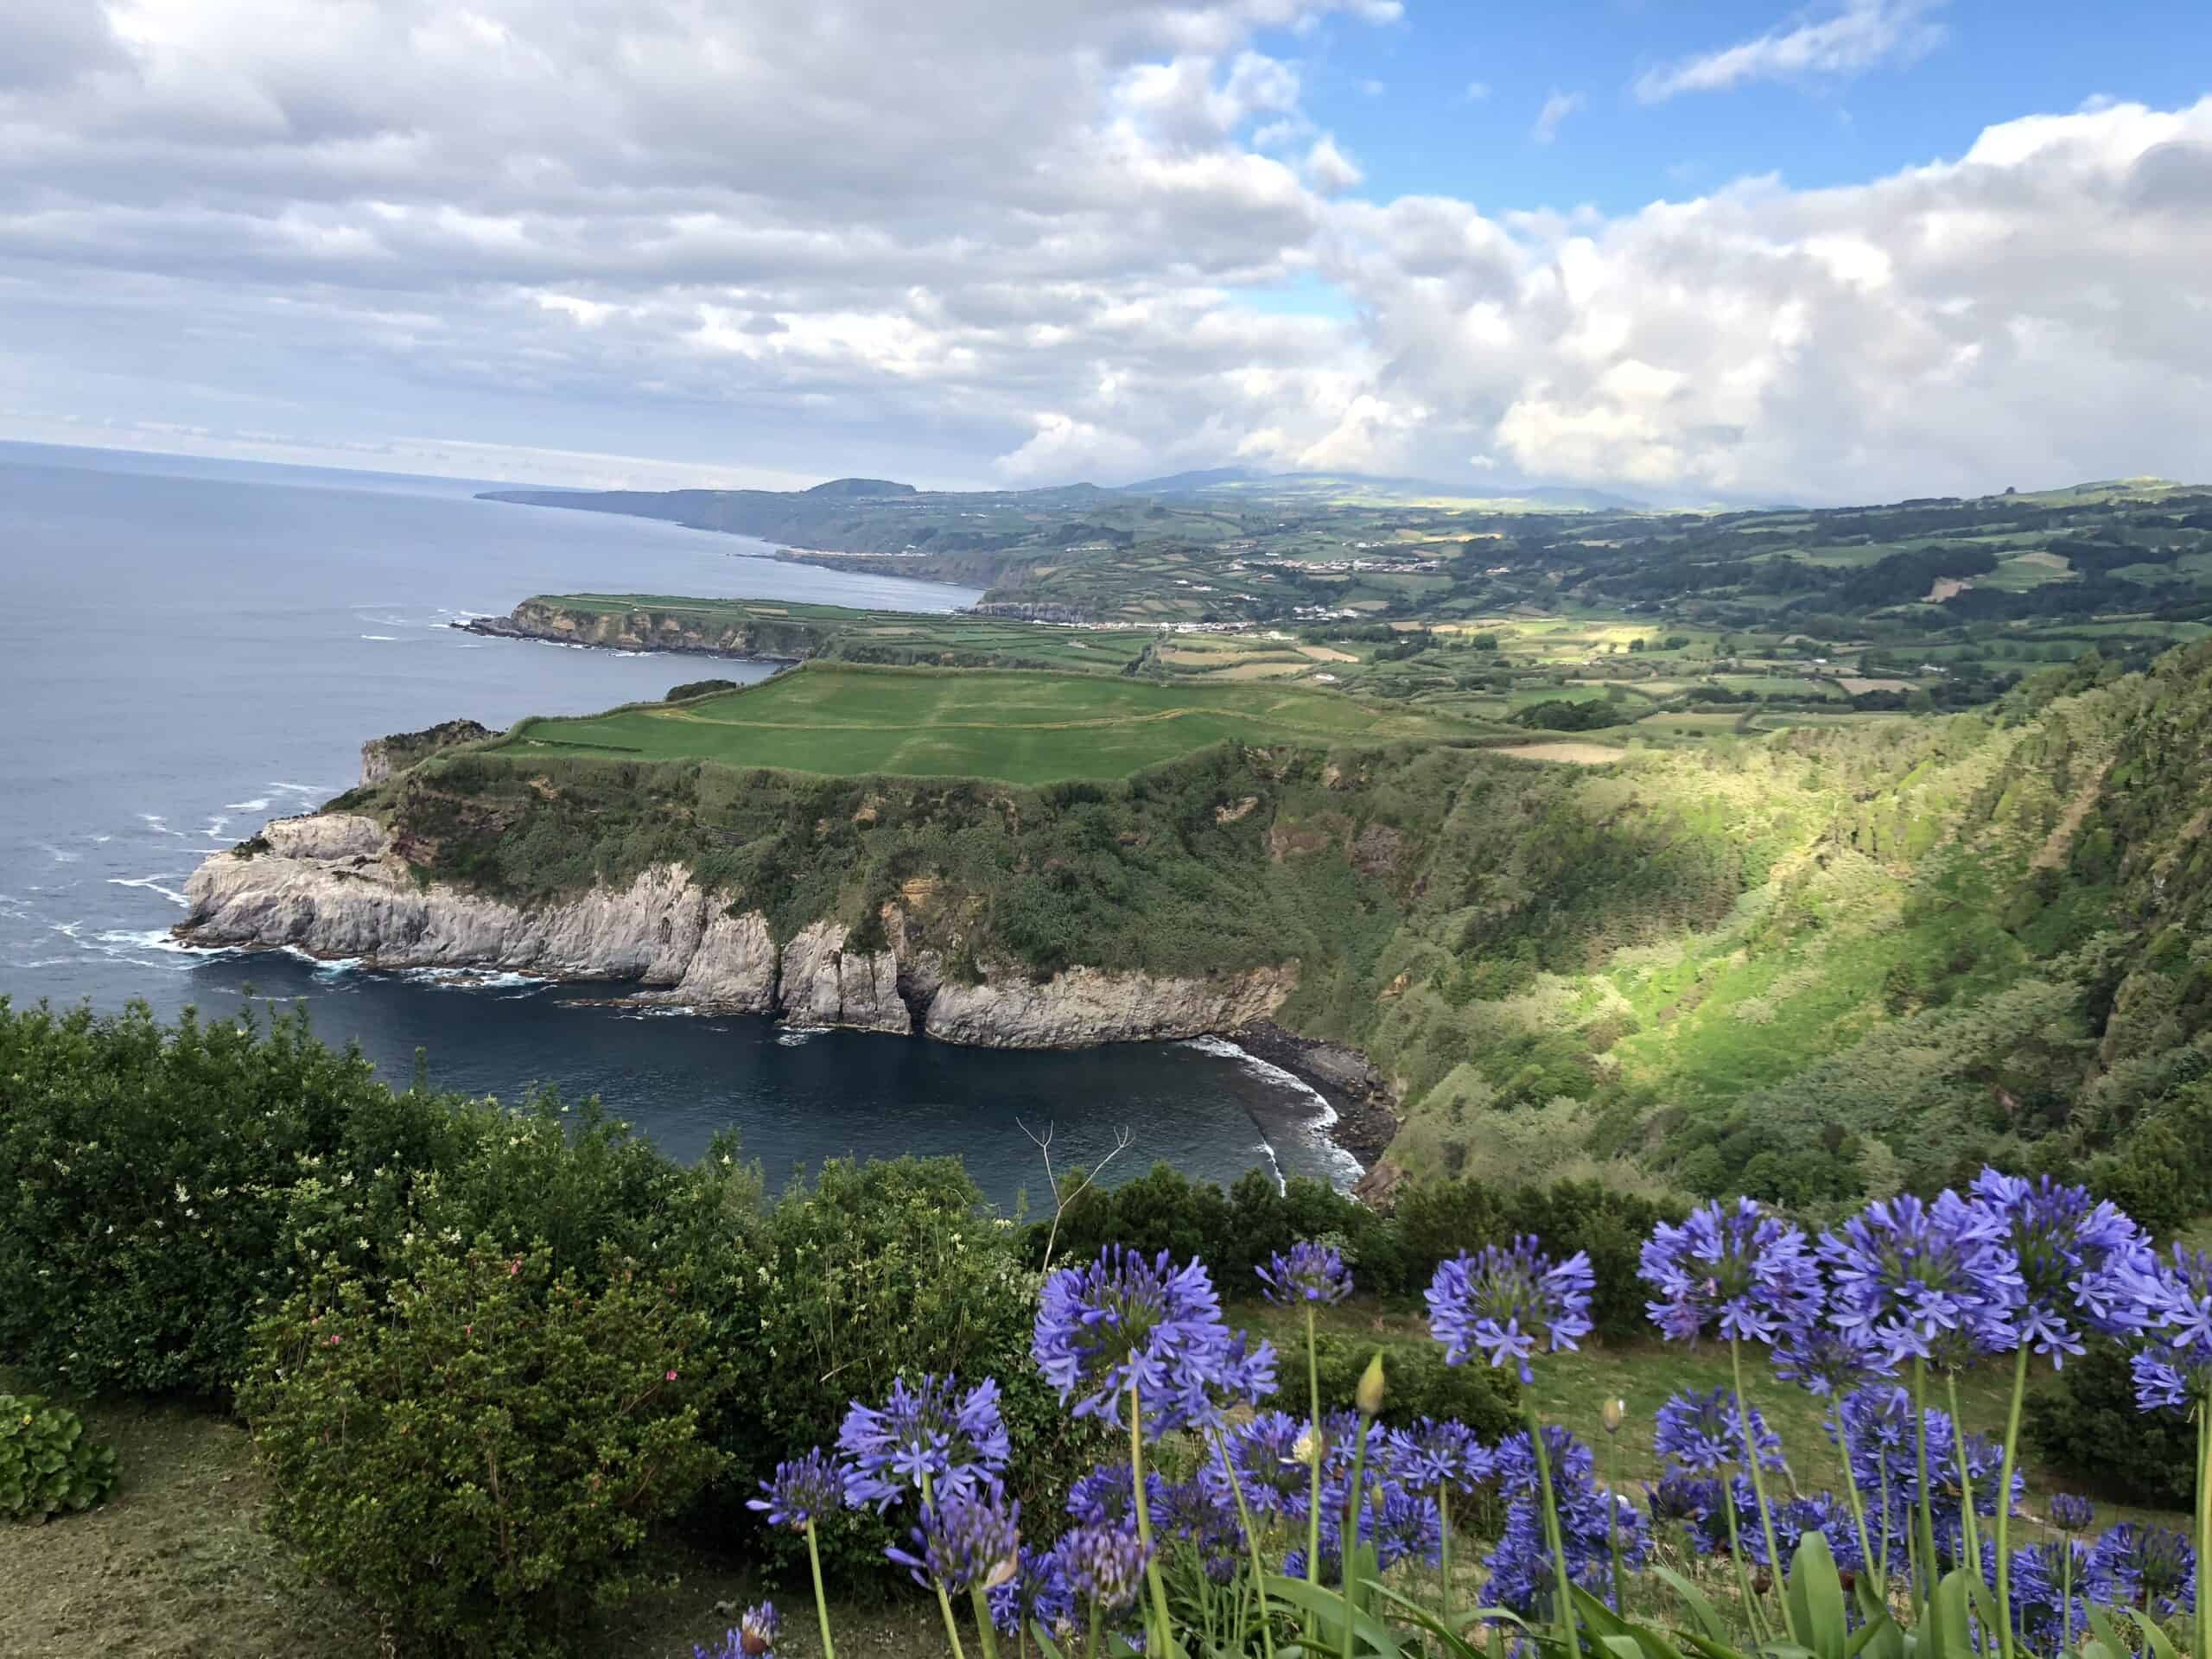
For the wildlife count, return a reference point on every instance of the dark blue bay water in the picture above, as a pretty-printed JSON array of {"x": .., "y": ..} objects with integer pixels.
[{"x": 189, "y": 648}]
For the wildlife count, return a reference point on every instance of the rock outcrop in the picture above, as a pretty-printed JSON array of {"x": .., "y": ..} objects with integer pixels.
[
  {"x": 382, "y": 756},
  {"x": 329, "y": 883}
]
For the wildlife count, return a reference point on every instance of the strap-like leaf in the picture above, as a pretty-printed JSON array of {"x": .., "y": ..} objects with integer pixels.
[
  {"x": 1816, "y": 1598},
  {"x": 1708, "y": 1622},
  {"x": 1330, "y": 1609}
]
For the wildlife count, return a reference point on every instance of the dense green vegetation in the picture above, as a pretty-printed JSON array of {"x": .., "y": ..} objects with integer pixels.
[
  {"x": 1813, "y": 964},
  {"x": 501, "y": 1367}
]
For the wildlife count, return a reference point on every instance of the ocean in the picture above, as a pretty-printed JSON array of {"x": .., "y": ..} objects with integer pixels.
[{"x": 191, "y": 647}]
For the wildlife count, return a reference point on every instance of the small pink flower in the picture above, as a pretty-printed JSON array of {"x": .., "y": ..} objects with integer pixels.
[
  {"x": 514, "y": 1267},
  {"x": 333, "y": 1341},
  {"x": 671, "y": 1376}
]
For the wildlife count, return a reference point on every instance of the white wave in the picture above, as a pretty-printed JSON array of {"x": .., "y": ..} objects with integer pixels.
[
  {"x": 58, "y": 855},
  {"x": 671, "y": 1012},
  {"x": 159, "y": 824},
  {"x": 102, "y": 840},
  {"x": 386, "y": 637},
  {"x": 1344, "y": 1167},
  {"x": 332, "y": 965},
  {"x": 135, "y": 946},
  {"x": 213, "y": 827},
  {"x": 475, "y": 644},
  {"x": 66, "y": 929},
  {"x": 305, "y": 792},
  {"x": 152, "y": 884},
  {"x": 793, "y": 1036},
  {"x": 259, "y": 804},
  {"x": 472, "y": 979},
  {"x": 10, "y": 902}
]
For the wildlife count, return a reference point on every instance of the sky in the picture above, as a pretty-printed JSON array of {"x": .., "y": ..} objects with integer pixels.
[{"x": 1853, "y": 251}]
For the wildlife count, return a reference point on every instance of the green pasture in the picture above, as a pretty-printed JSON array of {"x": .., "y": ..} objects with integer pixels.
[{"x": 1019, "y": 727}]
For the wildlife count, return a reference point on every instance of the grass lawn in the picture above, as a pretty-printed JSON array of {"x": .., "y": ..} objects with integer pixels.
[{"x": 1020, "y": 727}]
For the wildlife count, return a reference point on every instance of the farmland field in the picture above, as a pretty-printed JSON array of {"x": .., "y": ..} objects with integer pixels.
[{"x": 1019, "y": 727}]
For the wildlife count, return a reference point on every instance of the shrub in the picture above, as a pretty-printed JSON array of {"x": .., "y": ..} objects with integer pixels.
[
  {"x": 47, "y": 1465},
  {"x": 1419, "y": 1383},
  {"x": 698, "y": 689},
  {"x": 2087, "y": 1423},
  {"x": 147, "y": 1169},
  {"x": 480, "y": 1453}
]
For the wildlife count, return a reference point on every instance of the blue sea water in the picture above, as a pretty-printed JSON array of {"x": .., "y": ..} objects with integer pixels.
[{"x": 189, "y": 648}]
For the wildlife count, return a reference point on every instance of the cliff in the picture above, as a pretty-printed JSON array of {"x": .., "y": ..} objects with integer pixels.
[
  {"x": 645, "y": 627},
  {"x": 382, "y": 756},
  {"x": 332, "y": 885}
]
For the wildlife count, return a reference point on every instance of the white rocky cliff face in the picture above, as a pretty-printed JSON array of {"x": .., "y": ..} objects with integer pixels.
[{"x": 330, "y": 885}]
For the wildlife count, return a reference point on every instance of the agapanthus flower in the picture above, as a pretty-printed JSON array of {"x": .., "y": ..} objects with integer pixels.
[
  {"x": 1037, "y": 1593},
  {"x": 1396, "y": 1525},
  {"x": 2039, "y": 1575},
  {"x": 2172, "y": 1301},
  {"x": 2149, "y": 1567},
  {"x": 1306, "y": 1272},
  {"x": 803, "y": 1491},
  {"x": 1793, "y": 1518},
  {"x": 1503, "y": 1303},
  {"x": 1198, "y": 1514},
  {"x": 1733, "y": 1269},
  {"x": 1125, "y": 1321},
  {"x": 1827, "y": 1360},
  {"x": 1885, "y": 1462},
  {"x": 1522, "y": 1576},
  {"x": 1927, "y": 1281},
  {"x": 1264, "y": 1454},
  {"x": 1105, "y": 1497},
  {"x": 1433, "y": 1457},
  {"x": 1104, "y": 1565},
  {"x": 2075, "y": 1258},
  {"x": 965, "y": 1539},
  {"x": 930, "y": 1430},
  {"x": 1684, "y": 1500},
  {"x": 2070, "y": 1513},
  {"x": 1703, "y": 1433},
  {"x": 754, "y": 1637}
]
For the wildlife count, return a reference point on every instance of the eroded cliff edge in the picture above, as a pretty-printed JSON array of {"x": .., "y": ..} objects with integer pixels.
[{"x": 332, "y": 884}]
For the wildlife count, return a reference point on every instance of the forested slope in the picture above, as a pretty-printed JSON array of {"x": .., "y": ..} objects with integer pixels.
[{"x": 1813, "y": 966}]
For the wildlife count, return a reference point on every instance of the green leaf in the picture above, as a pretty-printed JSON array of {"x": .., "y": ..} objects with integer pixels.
[
  {"x": 2155, "y": 1640},
  {"x": 1330, "y": 1607},
  {"x": 1949, "y": 1624},
  {"x": 1708, "y": 1622},
  {"x": 1816, "y": 1603}
]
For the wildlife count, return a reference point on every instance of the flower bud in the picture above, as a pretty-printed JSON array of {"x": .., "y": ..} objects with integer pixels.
[
  {"x": 1370, "y": 1387},
  {"x": 1308, "y": 1449},
  {"x": 1613, "y": 1415}
]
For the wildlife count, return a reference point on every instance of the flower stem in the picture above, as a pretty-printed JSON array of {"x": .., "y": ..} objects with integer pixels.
[
  {"x": 2204, "y": 1629},
  {"x": 1443, "y": 1551},
  {"x": 2065, "y": 1593},
  {"x": 985, "y": 1632},
  {"x": 1758, "y": 1490},
  {"x": 944, "y": 1601},
  {"x": 1163, "y": 1642},
  {"x": 1923, "y": 1576},
  {"x": 1859, "y": 1505},
  {"x": 1565, "y": 1586},
  {"x": 1314, "y": 1495},
  {"x": 1970, "y": 1542},
  {"x": 821, "y": 1602},
  {"x": 2005, "y": 1495},
  {"x": 1752, "y": 1612},
  {"x": 1251, "y": 1545},
  {"x": 1348, "y": 1542},
  {"x": 1613, "y": 1534}
]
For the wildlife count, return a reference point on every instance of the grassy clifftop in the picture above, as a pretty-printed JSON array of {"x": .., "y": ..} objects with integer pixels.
[{"x": 1811, "y": 965}]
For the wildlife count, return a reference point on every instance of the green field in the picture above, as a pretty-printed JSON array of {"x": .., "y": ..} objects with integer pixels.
[{"x": 1017, "y": 727}]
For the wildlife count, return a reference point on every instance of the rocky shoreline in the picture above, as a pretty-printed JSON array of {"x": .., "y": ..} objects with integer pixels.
[
  {"x": 505, "y": 627},
  {"x": 1365, "y": 1103}
]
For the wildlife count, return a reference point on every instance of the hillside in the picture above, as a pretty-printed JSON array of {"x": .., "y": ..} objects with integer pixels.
[{"x": 1812, "y": 964}]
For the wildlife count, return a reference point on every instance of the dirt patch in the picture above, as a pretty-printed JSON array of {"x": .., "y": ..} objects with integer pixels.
[
  {"x": 2060, "y": 842},
  {"x": 1227, "y": 813},
  {"x": 1855, "y": 686},
  {"x": 1376, "y": 852},
  {"x": 1327, "y": 654},
  {"x": 1573, "y": 754},
  {"x": 1945, "y": 587}
]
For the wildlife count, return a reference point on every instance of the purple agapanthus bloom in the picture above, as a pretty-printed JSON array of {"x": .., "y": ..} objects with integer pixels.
[
  {"x": 965, "y": 1539},
  {"x": 1105, "y": 1497},
  {"x": 2070, "y": 1513},
  {"x": 1037, "y": 1593},
  {"x": 2040, "y": 1610},
  {"x": 1263, "y": 1454},
  {"x": 2149, "y": 1567},
  {"x": 1307, "y": 1272},
  {"x": 1104, "y": 1565},
  {"x": 1703, "y": 1434},
  {"x": 1504, "y": 1303},
  {"x": 2172, "y": 1302},
  {"x": 931, "y": 1430},
  {"x": 1685, "y": 1500},
  {"x": 1732, "y": 1269},
  {"x": 1125, "y": 1321},
  {"x": 2075, "y": 1258},
  {"x": 1433, "y": 1457},
  {"x": 803, "y": 1491},
  {"x": 754, "y": 1638},
  {"x": 1204, "y": 1519},
  {"x": 1926, "y": 1281},
  {"x": 1828, "y": 1360},
  {"x": 1522, "y": 1577},
  {"x": 1794, "y": 1519}
]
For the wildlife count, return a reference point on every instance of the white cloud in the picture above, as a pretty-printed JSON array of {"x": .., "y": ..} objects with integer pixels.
[
  {"x": 1476, "y": 93},
  {"x": 1865, "y": 33},
  {"x": 988, "y": 240},
  {"x": 1329, "y": 168},
  {"x": 1557, "y": 107}
]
